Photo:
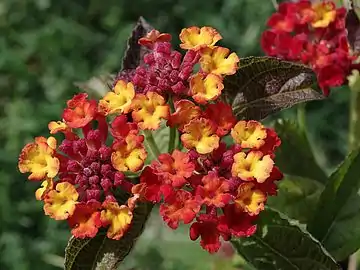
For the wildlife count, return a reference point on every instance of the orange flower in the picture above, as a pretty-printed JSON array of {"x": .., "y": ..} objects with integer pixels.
[
  {"x": 118, "y": 100},
  {"x": 324, "y": 14},
  {"x": 129, "y": 154},
  {"x": 195, "y": 38},
  {"x": 118, "y": 217},
  {"x": 38, "y": 159},
  {"x": 174, "y": 168},
  {"x": 181, "y": 206},
  {"x": 149, "y": 109},
  {"x": 218, "y": 61},
  {"x": 85, "y": 222},
  {"x": 253, "y": 165},
  {"x": 214, "y": 191},
  {"x": 57, "y": 126},
  {"x": 80, "y": 111},
  {"x": 205, "y": 87},
  {"x": 46, "y": 186},
  {"x": 200, "y": 134},
  {"x": 249, "y": 199},
  {"x": 60, "y": 202},
  {"x": 249, "y": 134},
  {"x": 185, "y": 111},
  {"x": 154, "y": 36}
]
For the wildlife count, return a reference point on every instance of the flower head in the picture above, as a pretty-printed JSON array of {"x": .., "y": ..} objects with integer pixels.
[
  {"x": 249, "y": 134},
  {"x": 249, "y": 199}
]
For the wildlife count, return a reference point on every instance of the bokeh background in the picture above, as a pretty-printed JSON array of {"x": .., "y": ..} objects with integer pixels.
[{"x": 46, "y": 46}]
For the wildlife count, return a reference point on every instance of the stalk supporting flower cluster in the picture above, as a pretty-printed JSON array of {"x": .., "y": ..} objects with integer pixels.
[
  {"x": 314, "y": 34},
  {"x": 219, "y": 189}
]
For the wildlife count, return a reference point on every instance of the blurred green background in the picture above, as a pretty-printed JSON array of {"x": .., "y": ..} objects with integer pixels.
[{"x": 46, "y": 46}]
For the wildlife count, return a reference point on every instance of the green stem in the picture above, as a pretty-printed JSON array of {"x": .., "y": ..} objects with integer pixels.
[
  {"x": 354, "y": 128},
  {"x": 172, "y": 130},
  {"x": 151, "y": 143},
  {"x": 301, "y": 117}
]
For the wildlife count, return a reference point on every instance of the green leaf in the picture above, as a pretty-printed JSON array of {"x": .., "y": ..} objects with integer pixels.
[
  {"x": 280, "y": 244},
  {"x": 265, "y": 85},
  {"x": 297, "y": 197},
  {"x": 101, "y": 252},
  {"x": 336, "y": 222},
  {"x": 295, "y": 155}
]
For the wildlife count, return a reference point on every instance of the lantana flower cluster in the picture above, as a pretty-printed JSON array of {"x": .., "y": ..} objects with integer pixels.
[
  {"x": 313, "y": 33},
  {"x": 218, "y": 188}
]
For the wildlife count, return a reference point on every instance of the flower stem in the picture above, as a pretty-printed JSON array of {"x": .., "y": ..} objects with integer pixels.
[
  {"x": 354, "y": 128},
  {"x": 150, "y": 141},
  {"x": 301, "y": 117},
  {"x": 172, "y": 130}
]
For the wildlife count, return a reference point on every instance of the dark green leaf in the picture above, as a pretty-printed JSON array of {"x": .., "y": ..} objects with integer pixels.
[
  {"x": 336, "y": 221},
  {"x": 295, "y": 155},
  {"x": 297, "y": 197},
  {"x": 280, "y": 244},
  {"x": 134, "y": 52},
  {"x": 265, "y": 85},
  {"x": 102, "y": 253}
]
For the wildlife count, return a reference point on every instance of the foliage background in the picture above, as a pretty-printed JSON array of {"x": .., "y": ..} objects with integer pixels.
[{"x": 46, "y": 46}]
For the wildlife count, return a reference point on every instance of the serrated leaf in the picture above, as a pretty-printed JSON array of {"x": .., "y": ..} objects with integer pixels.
[
  {"x": 134, "y": 53},
  {"x": 297, "y": 197},
  {"x": 295, "y": 155},
  {"x": 336, "y": 222},
  {"x": 102, "y": 253},
  {"x": 280, "y": 244},
  {"x": 265, "y": 85}
]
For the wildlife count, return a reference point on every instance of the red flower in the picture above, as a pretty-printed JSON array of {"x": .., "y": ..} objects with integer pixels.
[
  {"x": 221, "y": 113},
  {"x": 151, "y": 186},
  {"x": 236, "y": 222},
  {"x": 206, "y": 227},
  {"x": 214, "y": 190},
  {"x": 85, "y": 221},
  {"x": 80, "y": 111},
  {"x": 180, "y": 206}
]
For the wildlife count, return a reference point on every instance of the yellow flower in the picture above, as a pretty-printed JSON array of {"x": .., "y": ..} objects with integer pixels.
[
  {"x": 149, "y": 109},
  {"x": 60, "y": 202},
  {"x": 118, "y": 100},
  {"x": 128, "y": 155},
  {"x": 201, "y": 135},
  {"x": 118, "y": 217},
  {"x": 195, "y": 38},
  {"x": 46, "y": 186},
  {"x": 218, "y": 61},
  {"x": 249, "y": 199},
  {"x": 253, "y": 165},
  {"x": 249, "y": 134},
  {"x": 205, "y": 88},
  {"x": 325, "y": 14},
  {"x": 38, "y": 159}
]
